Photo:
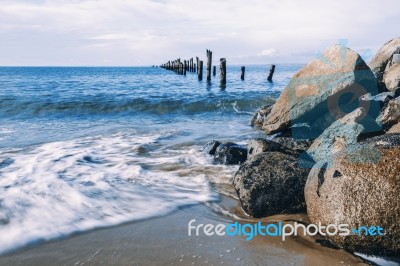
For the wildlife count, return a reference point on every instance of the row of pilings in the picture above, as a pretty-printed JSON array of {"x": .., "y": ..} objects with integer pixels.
[{"x": 181, "y": 67}]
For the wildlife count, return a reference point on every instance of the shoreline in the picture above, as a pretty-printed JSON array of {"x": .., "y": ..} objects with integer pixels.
[{"x": 147, "y": 240}]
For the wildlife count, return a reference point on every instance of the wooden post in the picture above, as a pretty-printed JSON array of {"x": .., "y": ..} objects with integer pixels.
[
  {"x": 222, "y": 69},
  {"x": 184, "y": 67},
  {"x": 200, "y": 71},
  {"x": 209, "y": 60},
  {"x": 271, "y": 72},
  {"x": 214, "y": 71},
  {"x": 194, "y": 67},
  {"x": 242, "y": 74},
  {"x": 197, "y": 62}
]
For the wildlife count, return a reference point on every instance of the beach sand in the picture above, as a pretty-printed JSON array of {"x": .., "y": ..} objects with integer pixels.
[{"x": 165, "y": 241}]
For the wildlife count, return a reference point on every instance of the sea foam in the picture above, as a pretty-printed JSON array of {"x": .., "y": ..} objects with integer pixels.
[{"x": 55, "y": 189}]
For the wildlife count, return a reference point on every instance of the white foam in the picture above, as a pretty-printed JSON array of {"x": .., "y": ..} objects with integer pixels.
[{"x": 63, "y": 187}]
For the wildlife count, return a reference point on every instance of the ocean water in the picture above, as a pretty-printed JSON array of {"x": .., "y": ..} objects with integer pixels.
[{"x": 87, "y": 147}]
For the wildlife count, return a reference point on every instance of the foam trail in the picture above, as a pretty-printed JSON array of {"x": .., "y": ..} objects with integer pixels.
[{"x": 59, "y": 188}]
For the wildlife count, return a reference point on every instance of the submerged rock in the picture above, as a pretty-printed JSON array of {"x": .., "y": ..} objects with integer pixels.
[
  {"x": 271, "y": 183},
  {"x": 259, "y": 116},
  {"x": 361, "y": 188},
  {"x": 326, "y": 89},
  {"x": 230, "y": 153},
  {"x": 211, "y": 147}
]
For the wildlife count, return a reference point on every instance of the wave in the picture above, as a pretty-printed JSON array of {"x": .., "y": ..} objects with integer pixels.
[
  {"x": 14, "y": 107},
  {"x": 56, "y": 189}
]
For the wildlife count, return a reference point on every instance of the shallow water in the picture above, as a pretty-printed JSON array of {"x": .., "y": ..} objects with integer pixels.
[{"x": 82, "y": 148}]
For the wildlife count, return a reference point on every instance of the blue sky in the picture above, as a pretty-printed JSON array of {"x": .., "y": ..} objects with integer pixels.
[{"x": 146, "y": 32}]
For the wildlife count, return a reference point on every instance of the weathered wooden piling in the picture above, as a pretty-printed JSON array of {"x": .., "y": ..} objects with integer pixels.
[
  {"x": 194, "y": 67},
  {"x": 200, "y": 71},
  {"x": 178, "y": 66},
  {"x": 184, "y": 67},
  {"x": 271, "y": 72},
  {"x": 209, "y": 60},
  {"x": 214, "y": 71},
  {"x": 242, "y": 72},
  {"x": 222, "y": 69},
  {"x": 197, "y": 63}
]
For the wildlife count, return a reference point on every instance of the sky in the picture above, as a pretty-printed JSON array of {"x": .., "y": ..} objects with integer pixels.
[{"x": 148, "y": 32}]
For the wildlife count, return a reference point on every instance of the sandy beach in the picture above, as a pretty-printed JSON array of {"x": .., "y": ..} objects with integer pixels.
[{"x": 165, "y": 241}]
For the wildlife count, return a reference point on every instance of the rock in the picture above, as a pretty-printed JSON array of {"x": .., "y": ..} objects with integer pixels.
[
  {"x": 257, "y": 146},
  {"x": 211, "y": 147},
  {"x": 382, "y": 98},
  {"x": 361, "y": 188},
  {"x": 391, "y": 77},
  {"x": 342, "y": 133},
  {"x": 271, "y": 183},
  {"x": 230, "y": 153},
  {"x": 259, "y": 115},
  {"x": 297, "y": 145},
  {"x": 280, "y": 144},
  {"x": 396, "y": 57},
  {"x": 390, "y": 115},
  {"x": 325, "y": 89},
  {"x": 395, "y": 128},
  {"x": 386, "y": 141},
  {"x": 379, "y": 63}
]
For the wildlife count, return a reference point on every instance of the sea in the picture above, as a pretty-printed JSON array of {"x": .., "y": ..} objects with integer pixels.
[{"x": 89, "y": 147}]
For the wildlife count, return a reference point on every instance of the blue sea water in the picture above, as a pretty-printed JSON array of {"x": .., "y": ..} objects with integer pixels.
[{"x": 87, "y": 147}]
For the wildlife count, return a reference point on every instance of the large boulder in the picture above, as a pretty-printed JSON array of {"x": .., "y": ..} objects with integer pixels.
[
  {"x": 360, "y": 188},
  {"x": 271, "y": 183},
  {"x": 380, "y": 61},
  {"x": 342, "y": 134},
  {"x": 326, "y": 89}
]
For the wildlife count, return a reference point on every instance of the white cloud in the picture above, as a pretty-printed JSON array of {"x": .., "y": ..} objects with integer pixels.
[
  {"x": 268, "y": 52},
  {"x": 150, "y": 31}
]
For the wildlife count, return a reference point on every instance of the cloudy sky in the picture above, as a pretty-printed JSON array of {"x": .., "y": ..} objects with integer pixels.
[{"x": 146, "y": 32}]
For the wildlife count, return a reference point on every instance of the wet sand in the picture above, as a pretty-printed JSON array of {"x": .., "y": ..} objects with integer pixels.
[{"x": 165, "y": 241}]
